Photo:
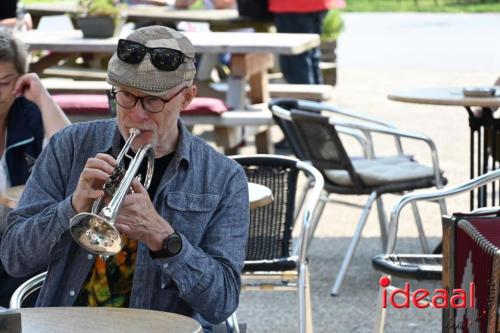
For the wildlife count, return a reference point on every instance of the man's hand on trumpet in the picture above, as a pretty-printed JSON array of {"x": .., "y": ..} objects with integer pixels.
[
  {"x": 138, "y": 219},
  {"x": 97, "y": 170}
]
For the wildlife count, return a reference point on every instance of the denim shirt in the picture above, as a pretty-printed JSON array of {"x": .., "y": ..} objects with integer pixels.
[{"x": 202, "y": 194}]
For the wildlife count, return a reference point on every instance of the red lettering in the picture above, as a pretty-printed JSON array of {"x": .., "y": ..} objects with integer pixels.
[
  {"x": 472, "y": 295},
  {"x": 384, "y": 298},
  {"x": 405, "y": 293},
  {"x": 458, "y": 299},
  {"x": 417, "y": 298},
  {"x": 440, "y": 299}
]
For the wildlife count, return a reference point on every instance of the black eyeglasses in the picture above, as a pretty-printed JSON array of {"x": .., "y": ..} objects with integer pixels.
[
  {"x": 149, "y": 103},
  {"x": 163, "y": 58}
]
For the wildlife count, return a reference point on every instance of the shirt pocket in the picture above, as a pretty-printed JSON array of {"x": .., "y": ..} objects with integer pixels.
[{"x": 190, "y": 212}]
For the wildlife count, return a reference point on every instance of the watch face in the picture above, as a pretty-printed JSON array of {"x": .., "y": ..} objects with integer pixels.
[{"x": 174, "y": 244}]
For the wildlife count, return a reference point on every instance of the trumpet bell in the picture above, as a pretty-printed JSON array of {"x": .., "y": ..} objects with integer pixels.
[{"x": 96, "y": 234}]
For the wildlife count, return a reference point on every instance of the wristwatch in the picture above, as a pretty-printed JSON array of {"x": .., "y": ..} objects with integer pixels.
[{"x": 172, "y": 245}]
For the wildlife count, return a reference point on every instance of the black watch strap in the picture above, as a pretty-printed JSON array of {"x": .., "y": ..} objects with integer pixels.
[{"x": 172, "y": 245}]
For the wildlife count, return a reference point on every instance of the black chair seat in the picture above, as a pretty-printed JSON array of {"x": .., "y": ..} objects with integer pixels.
[
  {"x": 410, "y": 266},
  {"x": 276, "y": 265}
]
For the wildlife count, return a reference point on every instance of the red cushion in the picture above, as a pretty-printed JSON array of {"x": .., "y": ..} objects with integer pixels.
[
  {"x": 98, "y": 104},
  {"x": 83, "y": 103},
  {"x": 205, "y": 105}
]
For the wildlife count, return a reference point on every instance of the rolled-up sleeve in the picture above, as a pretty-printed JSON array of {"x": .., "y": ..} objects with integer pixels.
[{"x": 208, "y": 277}]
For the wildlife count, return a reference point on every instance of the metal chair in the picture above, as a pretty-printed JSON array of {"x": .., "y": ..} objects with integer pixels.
[
  {"x": 27, "y": 293},
  {"x": 417, "y": 266},
  {"x": 271, "y": 263},
  {"x": 316, "y": 127}
]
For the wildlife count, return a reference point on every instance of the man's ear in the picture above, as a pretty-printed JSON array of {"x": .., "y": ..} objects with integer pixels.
[{"x": 189, "y": 95}]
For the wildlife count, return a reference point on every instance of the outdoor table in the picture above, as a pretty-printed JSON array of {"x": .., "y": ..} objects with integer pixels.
[
  {"x": 143, "y": 13},
  {"x": 259, "y": 195},
  {"x": 484, "y": 127},
  {"x": 103, "y": 320},
  {"x": 250, "y": 60}
]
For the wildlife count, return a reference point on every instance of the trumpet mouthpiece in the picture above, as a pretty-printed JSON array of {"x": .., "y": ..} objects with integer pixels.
[{"x": 134, "y": 131}]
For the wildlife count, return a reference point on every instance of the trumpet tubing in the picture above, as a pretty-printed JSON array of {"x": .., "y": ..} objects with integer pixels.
[{"x": 95, "y": 231}]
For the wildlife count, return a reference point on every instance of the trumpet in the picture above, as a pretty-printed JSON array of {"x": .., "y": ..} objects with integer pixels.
[{"x": 95, "y": 231}]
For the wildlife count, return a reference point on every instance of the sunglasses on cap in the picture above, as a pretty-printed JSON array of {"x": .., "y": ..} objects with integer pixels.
[{"x": 162, "y": 58}]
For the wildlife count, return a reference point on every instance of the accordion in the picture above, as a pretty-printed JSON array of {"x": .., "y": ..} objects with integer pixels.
[{"x": 471, "y": 262}]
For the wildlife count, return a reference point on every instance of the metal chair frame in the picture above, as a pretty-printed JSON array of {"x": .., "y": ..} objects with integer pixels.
[
  {"x": 412, "y": 198},
  {"x": 362, "y": 126},
  {"x": 26, "y": 289},
  {"x": 298, "y": 278}
]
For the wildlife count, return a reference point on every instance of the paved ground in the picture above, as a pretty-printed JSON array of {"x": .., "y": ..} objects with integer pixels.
[{"x": 380, "y": 53}]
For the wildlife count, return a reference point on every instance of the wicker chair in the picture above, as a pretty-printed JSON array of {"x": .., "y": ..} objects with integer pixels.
[
  {"x": 316, "y": 129},
  {"x": 271, "y": 262},
  {"x": 418, "y": 266}
]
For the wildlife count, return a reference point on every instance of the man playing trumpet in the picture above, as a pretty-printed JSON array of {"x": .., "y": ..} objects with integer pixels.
[{"x": 185, "y": 235}]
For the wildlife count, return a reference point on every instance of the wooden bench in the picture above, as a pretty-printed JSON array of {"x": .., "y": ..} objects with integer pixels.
[
  {"x": 317, "y": 92},
  {"x": 68, "y": 86},
  {"x": 231, "y": 128},
  {"x": 75, "y": 73},
  {"x": 312, "y": 92}
]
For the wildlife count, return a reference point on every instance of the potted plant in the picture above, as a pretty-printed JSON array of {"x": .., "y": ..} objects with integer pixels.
[
  {"x": 333, "y": 24},
  {"x": 98, "y": 18}
]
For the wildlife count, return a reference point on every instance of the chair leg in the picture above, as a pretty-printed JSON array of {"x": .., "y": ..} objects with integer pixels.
[
  {"x": 318, "y": 213},
  {"x": 304, "y": 293},
  {"x": 317, "y": 216},
  {"x": 232, "y": 322},
  {"x": 353, "y": 244},
  {"x": 442, "y": 207},
  {"x": 420, "y": 228},
  {"x": 302, "y": 198},
  {"x": 382, "y": 219},
  {"x": 381, "y": 313}
]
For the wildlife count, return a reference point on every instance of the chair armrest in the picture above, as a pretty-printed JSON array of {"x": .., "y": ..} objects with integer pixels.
[
  {"x": 310, "y": 208},
  {"x": 25, "y": 289},
  {"x": 365, "y": 142},
  {"x": 315, "y": 106},
  {"x": 318, "y": 107},
  {"x": 399, "y": 133},
  {"x": 433, "y": 196}
]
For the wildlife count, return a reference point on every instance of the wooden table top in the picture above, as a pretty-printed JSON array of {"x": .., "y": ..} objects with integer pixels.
[
  {"x": 444, "y": 96},
  {"x": 259, "y": 195},
  {"x": 72, "y": 41},
  {"x": 104, "y": 320},
  {"x": 140, "y": 12}
]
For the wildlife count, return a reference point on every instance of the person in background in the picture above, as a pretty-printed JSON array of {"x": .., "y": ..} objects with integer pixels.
[
  {"x": 25, "y": 120},
  {"x": 9, "y": 16},
  {"x": 186, "y": 233},
  {"x": 300, "y": 16}
]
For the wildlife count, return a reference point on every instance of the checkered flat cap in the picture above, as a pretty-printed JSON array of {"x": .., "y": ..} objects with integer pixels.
[{"x": 146, "y": 77}]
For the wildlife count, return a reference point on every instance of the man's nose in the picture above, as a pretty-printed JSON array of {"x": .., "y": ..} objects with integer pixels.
[{"x": 137, "y": 113}]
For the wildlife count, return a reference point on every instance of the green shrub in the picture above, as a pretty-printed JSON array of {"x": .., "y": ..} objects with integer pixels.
[
  {"x": 333, "y": 24},
  {"x": 98, "y": 8}
]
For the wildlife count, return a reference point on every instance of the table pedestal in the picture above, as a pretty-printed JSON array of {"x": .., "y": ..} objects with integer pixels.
[{"x": 484, "y": 154}]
